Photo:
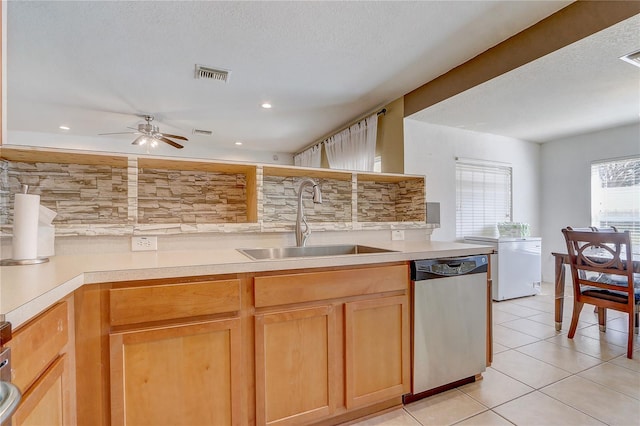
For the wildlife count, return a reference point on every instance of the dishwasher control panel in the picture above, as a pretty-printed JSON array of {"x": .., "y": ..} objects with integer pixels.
[{"x": 438, "y": 268}]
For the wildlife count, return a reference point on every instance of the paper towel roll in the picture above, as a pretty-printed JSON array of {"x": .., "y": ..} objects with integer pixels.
[
  {"x": 25, "y": 226},
  {"x": 46, "y": 240}
]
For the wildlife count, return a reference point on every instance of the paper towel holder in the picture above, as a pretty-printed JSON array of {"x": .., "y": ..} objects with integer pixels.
[
  {"x": 18, "y": 262},
  {"x": 14, "y": 262}
]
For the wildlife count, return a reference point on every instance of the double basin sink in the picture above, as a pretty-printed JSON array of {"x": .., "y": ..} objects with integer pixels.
[{"x": 311, "y": 251}]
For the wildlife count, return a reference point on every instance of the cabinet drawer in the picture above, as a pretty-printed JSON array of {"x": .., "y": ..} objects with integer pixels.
[
  {"x": 173, "y": 301},
  {"x": 307, "y": 287},
  {"x": 36, "y": 344}
]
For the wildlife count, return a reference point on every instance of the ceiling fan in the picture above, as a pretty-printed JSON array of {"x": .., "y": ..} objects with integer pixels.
[{"x": 150, "y": 134}]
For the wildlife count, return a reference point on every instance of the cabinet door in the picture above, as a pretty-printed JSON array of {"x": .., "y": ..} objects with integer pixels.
[
  {"x": 44, "y": 402},
  {"x": 295, "y": 365},
  {"x": 177, "y": 375},
  {"x": 377, "y": 359}
]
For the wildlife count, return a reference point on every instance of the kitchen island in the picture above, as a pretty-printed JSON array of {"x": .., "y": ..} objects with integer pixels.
[{"x": 220, "y": 328}]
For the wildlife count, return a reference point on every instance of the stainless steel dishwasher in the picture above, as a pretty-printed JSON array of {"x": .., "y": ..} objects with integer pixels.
[{"x": 450, "y": 321}]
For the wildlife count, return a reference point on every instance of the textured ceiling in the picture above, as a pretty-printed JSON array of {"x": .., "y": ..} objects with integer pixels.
[
  {"x": 95, "y": 65},
  {"x": 581, "y": 88}
]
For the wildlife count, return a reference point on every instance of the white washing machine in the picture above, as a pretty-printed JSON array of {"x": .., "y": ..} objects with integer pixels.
[{"x": 516, "y": 269}]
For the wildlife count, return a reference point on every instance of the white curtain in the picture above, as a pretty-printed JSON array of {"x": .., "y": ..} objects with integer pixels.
[
  {"x": 354, "y": 148},
  {"x": 308, "y": 158}
]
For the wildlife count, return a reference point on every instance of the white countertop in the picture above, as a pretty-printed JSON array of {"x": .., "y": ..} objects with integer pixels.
[{"x": 27, "y": 290}]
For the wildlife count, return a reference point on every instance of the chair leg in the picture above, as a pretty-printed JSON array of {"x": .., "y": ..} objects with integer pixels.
[
  {"x": 602, "y": 319},
  {"x": 631, "y": 336},
  {"x": 577, "y": 307},
  {"x": 637, "y": 315}
]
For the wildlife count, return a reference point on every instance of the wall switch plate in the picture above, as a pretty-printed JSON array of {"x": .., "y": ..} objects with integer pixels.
[
  {"x": 397, "y": 235},
  {"x": 144, "y": 243}
]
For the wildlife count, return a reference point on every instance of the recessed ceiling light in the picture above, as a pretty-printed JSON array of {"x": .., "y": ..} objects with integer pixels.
[
  {"x": 266, "y": 105},
  {"x": 632, "y": 58},
  {"x": 238, "y": 143},
  {"x": 64, "y": 128}
]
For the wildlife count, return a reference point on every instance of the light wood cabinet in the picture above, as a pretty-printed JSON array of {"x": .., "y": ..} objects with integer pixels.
[
  {"x": 173, "y": 359},
  {"x": 41, "y": 356},
  {"x": 183, "y": 374},
  {"x": 295, "y": 366},
  {"x": 317, "y": 346},
  {"x": 377, "y": 356},
  {"x": 329, "y": 343},
  {"x": 151, "y": 303},
  {"x": 44, "y": 402}
]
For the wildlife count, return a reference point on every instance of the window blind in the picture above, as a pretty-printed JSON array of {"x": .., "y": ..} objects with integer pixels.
[
  {"x": 615, "y": 196},
  {"x": 483, "y": 198}
]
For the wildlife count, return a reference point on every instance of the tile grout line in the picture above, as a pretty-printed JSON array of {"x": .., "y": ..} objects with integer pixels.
[
  {"x": 571, "y": 406},
  {"x": 604, "y": 385}
]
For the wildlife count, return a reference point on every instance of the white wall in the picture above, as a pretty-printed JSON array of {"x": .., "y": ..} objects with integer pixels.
[
  {"x": 566, "y": 176},
  {"x": 431, "y": 150}
]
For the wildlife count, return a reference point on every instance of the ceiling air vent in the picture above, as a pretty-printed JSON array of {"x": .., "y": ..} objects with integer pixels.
[
  {"x": 632, "y": 58},
  {"x": 202, "y": 132},
  {"x": 212, "y": 73}
]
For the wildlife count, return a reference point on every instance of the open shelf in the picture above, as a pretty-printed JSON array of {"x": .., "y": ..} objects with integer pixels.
[
  {"x": 391, "y": 199},
  {"x": 59, "y": 156},
  {"x": 143, "y": 193},
  {"x": 285, "y": 171},
  {"x": 196, "y": 192}
]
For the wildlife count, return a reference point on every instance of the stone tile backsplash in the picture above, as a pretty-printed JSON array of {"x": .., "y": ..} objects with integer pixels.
[
  {"x": 159, "y": 200},
  {"x": 391, "y": 202},
  {"x": 179, "y": 196},
  {"x": 280, "y": 202},
  {"x": 79, "y": 193}
]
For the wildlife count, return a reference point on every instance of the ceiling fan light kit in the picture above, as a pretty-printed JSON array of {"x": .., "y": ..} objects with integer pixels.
[{"x": 150, "y": 134}]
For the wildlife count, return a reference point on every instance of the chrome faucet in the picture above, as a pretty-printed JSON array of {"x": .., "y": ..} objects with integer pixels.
[{"x": 301, "y": 236}]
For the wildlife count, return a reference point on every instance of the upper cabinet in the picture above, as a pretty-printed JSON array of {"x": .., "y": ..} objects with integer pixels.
[{"x": 106, "y": 194}]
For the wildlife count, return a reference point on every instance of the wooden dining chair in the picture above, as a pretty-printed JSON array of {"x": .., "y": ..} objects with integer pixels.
[{"x": 602, "y": 272}]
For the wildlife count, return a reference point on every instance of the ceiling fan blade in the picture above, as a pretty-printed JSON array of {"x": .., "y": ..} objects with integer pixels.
[
  {"x": 166, "y": 135},
  {"x": 138, "y": 140},
  {"x": 170, "y": 142},
  {"x": 117, "y": 133}
]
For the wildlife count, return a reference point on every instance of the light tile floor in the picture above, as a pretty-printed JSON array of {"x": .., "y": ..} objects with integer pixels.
[{"x": 539, "y": 376}]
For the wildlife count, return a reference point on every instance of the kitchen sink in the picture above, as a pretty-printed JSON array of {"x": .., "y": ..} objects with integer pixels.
[{"x": 311, "y": 251}]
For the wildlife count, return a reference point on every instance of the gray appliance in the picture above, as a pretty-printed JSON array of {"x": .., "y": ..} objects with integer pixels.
[{"x": 450, "y": 321}]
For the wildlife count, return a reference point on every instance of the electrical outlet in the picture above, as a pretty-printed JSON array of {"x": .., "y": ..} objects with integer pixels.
[
  {"x": 397, "y": 235},
  {"x": 144, "y": 243}
]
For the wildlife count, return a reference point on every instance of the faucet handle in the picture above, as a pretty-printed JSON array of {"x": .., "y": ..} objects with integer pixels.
[{"x": 306, "y": 232}]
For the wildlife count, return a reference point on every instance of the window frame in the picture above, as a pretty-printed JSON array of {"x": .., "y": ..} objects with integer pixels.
[
  {"x": 595, "y": 216},
  {"x": 487, "y": 168}
]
